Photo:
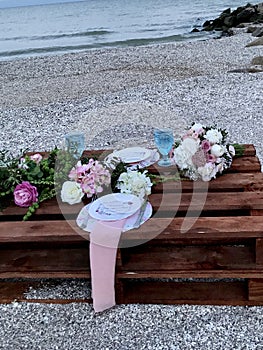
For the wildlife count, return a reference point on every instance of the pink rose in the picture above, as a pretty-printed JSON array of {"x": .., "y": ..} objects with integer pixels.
[
  {"x": 206, "y": 146},
  {"x": 211, "y": 158},
  {"x": 25, "y": 194},
  {"x": 36, "y": 158}
]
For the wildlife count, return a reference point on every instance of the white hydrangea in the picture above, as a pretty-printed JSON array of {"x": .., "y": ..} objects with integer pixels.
[
  {"x": 190, "y": 145},
  {"x": 136, "y": 183},
  {"x": 214, "y": 136},
  {"x": 184, "y": 153}
]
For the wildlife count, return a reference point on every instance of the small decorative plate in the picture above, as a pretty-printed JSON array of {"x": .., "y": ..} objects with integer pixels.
[
  {"x": 133, "y": 154},
  {"x": 114, "y": 206},
  {"x": 86, "y": 222}
]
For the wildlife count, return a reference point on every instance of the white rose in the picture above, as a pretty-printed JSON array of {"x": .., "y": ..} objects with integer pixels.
[
  {"x": 71, "y": 192},
  {"x": 214, "y": 136},
  {"x": 217, "y": 150},
  {"x": 190, "y": 145},
  {"x": 207, "y": 172}
]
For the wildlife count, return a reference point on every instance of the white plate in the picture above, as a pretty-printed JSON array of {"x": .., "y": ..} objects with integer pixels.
[
  {"x": 154, "y": 157},
  {"x": 133, "y": 154},
  {"x": 86, "y": 222},
  {"x": 114, "y": 206}
]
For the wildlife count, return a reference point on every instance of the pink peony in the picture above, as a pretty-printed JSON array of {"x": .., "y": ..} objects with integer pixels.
[
  {"x": 25, "y": 194},
  {"x": 206, "y": 146}
]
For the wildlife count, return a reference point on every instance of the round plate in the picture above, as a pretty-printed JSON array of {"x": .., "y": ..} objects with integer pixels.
[
  {"x": 133, "y": 154},
  {"x": 114, "y": 206},
  {"x": 86, "y": 222}
]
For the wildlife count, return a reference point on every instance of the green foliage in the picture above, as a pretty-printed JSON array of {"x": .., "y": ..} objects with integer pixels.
[
  {"x": 120, "y": 168},
  {"x": 44, "y": 175},
  {"x": 239, "y": 149}
]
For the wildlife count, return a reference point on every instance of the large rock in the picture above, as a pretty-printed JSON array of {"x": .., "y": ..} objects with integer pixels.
[
  {"x": 227, "y": 19},
  {"x": 257, "y": 61},
  {"x": 256, "y": 42},
  {"x": 246, "y": 15}
]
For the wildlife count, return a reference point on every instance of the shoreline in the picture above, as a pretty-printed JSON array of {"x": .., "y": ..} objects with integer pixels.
[{"x": 113, "y": 93}]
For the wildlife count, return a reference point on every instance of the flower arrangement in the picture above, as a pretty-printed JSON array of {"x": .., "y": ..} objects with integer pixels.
[
  {"x": 203, "y": 153},
  {"x": 28, "y": 180},
  {"x": 86, "y": 179}
]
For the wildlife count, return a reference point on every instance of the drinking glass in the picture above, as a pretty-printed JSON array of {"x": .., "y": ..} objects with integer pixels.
[
  {"x": 164, "y": 140},
  {"x": 75, "y": 143}
]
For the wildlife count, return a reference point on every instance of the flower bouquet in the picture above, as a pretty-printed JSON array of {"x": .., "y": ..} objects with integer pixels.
[{"x": 203, "y": 153}]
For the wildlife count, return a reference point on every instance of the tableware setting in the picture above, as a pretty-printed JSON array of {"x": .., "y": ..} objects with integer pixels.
[
  {"x": 86, "y": 222},
  {"x": 111, "y": 214},
  {"x": 135, "y": 157},
  {"x": 133, "y": 154}
]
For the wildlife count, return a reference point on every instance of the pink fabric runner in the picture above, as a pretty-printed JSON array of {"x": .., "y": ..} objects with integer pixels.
[{"x": 104, "y": 240}]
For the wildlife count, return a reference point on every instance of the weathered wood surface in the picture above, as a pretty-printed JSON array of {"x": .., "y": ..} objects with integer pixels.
[{"x": 219, "y": 260}]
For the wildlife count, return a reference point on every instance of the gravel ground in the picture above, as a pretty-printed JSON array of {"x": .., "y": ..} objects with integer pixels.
[{"x": 116, "y": 97}]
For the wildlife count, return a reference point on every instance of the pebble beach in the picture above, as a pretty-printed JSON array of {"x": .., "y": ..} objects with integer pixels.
[{"x": 116, "y": 96}]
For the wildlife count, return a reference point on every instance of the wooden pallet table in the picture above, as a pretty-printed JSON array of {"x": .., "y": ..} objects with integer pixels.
[{"x": 219, "y": 260}]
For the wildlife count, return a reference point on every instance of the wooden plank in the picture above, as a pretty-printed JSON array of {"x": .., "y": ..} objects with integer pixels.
[
  {"x": 256, "y": 289},
  {"x": 204, "y": 228},
  {"x": 245, "y": 165},
  {"x": 156, "y": 292},
  {"x": 219, "y": 202},
  {"x": 226, "y": 183},
  {"x": 42, "y": 231},
  {"x": 237, "y": 273},
  {"x": 238, "y": 227},
  {"x": 50, "y": 208},
  {"x": 249, "y": 150},
  {"x": 31, "y": 262},
  {"x": 259, "y": 251},
  {"x": 173, "y": 258},
  {"x": 212, "y": 229}
]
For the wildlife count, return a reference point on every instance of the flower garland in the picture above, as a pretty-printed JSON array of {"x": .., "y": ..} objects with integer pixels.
[
  {"x": 29, "y": 180},
  {"x": 203, "y": 153}
]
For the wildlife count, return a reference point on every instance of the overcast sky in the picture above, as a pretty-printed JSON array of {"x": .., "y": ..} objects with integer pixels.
[{"x": 14, "y": 3}]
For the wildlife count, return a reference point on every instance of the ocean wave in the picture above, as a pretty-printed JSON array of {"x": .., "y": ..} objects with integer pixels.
[
  {"x": 76, "y": 48},
  {"x": 59, "y": 36}
]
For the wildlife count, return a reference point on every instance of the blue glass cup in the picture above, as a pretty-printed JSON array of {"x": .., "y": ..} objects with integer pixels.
[
  {"x": 75, "y": 143},
  {"x": 164, "y": 141}
]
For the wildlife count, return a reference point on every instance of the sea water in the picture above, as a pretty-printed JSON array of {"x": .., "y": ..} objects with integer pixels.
[{"x": 81, "y": 25}]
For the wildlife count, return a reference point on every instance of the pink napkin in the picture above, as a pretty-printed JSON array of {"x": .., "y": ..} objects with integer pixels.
[{"x": 104, "y": 240}]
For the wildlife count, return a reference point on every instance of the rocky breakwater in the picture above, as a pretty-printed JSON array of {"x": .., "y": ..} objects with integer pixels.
[
  {"x": 249, "y": 17},
  {"x": 237, "y": 18}
]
